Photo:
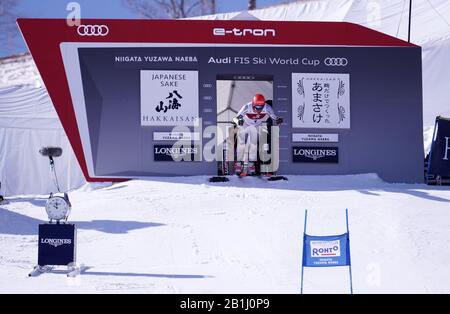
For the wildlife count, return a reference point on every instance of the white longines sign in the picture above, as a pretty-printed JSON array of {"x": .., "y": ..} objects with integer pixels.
[
  {"x": 321, "y": 100},
  {"x": 169, "y": 98}
]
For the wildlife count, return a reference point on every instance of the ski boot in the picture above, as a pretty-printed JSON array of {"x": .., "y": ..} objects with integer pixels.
[
  {"x": 267, "y": 174},
  {"x": 244, "y": 171},
  {"x": 251, "y": 168},
  {"x": 238, "y": 168}
]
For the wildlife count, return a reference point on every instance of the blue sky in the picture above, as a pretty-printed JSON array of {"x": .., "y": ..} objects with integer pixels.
[{"x": 96, "y": 9}]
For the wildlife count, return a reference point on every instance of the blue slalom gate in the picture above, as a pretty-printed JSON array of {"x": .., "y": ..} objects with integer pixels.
[{"x": 326, "y": 251}]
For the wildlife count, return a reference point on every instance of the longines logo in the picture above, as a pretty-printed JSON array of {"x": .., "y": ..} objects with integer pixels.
[
  {"x": 257, "y": 32},
  {"x": 56, "y": 242},
  {"x": 316, "y": 154},
  {"x": 175, "y": 153},
  {"x": 93, "y": 30},
  {"x": 171, "y": 151}
]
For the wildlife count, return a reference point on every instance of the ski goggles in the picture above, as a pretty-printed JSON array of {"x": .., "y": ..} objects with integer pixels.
[{"x": 259, "y": 107}]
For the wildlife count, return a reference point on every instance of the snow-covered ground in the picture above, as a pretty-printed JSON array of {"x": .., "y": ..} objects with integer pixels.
[
  {"x": 184, "y": 235},
  {"x": 19, "y": 70}
]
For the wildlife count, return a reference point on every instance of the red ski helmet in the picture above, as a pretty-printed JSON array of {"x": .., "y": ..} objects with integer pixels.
[{"x": 258, "y": 102}]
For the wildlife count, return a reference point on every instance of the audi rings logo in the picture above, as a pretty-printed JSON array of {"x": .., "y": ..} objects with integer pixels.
[
  {"x": 336, "y": 62},
  {"x": 93, "y": 30}
]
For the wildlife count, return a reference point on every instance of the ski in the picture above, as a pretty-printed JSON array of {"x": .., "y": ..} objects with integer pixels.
[
  {"x": 3, "y": 201},
  {"x": 273, "y": 178},
  {"x": 76, "y": 270},
  {"x": 218, "y": 179},
  {"x": 72, "y": 270},
  {"x": 277, "y": 178},
  {"x": 39, "y": 270}
]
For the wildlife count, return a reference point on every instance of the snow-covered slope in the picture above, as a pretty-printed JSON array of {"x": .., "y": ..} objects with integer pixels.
[
  {"x": 183, "y": 235},
  {"x": 28, "y": 117},
  {"x": 19, "y": 71}
]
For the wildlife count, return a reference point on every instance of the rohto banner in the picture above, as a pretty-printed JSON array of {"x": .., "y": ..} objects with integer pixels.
[{"x": 326, "y": 251}]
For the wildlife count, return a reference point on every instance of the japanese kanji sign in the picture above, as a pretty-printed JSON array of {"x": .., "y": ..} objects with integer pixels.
[
  {"x": 169, "y": 98},
  {"x": 321, "y": 100}
]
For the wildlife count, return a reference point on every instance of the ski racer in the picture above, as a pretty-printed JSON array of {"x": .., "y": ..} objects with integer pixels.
[{"x": 249, "y": 119}]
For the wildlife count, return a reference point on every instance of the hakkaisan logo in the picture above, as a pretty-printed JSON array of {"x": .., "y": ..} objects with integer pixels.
[
  {"x": 257, "y": 32},
  {"x": 169, "y": 98},
  {"x": 56, "y": 242},
  {"x": 325, "y": 248}
]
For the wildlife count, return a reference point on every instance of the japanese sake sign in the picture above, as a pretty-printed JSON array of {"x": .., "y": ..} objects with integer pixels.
[
  {"x": 321, "y": 100},
  {"x": 169, "y": 98}
]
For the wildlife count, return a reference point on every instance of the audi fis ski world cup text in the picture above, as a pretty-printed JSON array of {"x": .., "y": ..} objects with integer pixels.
[
  {"x": 239, "y": 60},
  {"x": 244, "y": 60}
]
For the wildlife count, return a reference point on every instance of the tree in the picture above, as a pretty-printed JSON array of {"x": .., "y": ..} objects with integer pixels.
[
  {"x": 251, "y": 5},
  {"x": 7, "y": 16},
  {"x": 209, "y": 7},
  {"x": 175, "y": 9},
  {"x": 8, "y": 28}
]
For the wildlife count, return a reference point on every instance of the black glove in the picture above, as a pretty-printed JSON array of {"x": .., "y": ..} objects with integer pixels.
[
  {"x": 240, "y": 120},
  {"x": 279, "y": 120}
]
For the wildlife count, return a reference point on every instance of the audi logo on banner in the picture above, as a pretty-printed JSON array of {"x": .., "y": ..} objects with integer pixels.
[
  {"x": 336, "y": 62},
  {"x": 93, "y": 30}
]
